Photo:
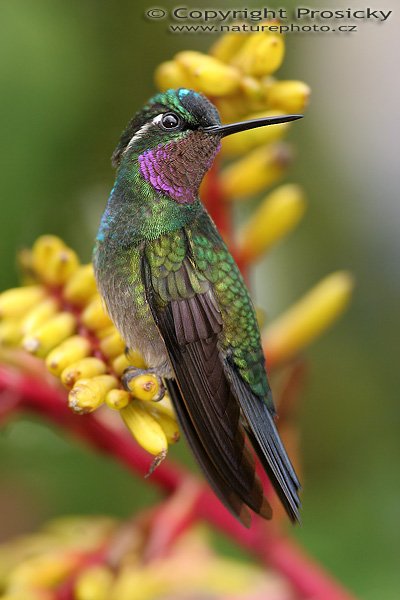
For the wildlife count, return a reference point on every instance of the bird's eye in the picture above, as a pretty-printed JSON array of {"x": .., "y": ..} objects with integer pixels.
[{"x": 170, "y": 121}]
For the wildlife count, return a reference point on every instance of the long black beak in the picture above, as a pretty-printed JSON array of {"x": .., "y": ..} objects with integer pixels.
[{"x": 224, "y": 130}]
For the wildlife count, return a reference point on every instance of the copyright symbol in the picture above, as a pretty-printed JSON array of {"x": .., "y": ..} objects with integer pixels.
[{"x": 155, "y": 13}]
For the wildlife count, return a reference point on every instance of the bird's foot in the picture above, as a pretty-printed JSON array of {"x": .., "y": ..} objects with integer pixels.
[{"x": 144, "y": 384}]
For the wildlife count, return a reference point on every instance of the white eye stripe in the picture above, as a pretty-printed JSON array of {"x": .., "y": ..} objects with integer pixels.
[{"x": 138, "y": 135}]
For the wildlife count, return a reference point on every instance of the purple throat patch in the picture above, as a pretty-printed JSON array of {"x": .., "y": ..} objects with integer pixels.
[{"x": 176, "y": 168}]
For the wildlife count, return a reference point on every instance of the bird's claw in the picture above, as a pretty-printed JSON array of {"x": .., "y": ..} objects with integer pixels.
[{"x": 133, "y": 372}]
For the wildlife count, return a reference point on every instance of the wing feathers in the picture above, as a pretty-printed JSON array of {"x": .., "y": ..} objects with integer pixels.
[
  {"x": 195, "y": 319},
  {"x": 204, "y": 391},
  {"x": 223, "y": 491},
  {"x": 215, "y": 407},
  {"x": 263, "y": 434}
]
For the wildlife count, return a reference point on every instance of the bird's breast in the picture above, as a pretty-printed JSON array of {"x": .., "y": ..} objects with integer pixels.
[{"x": 118, "y": 275}]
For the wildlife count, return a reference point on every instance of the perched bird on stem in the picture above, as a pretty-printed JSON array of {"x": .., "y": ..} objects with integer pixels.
[{"x": 176, "y": 295}]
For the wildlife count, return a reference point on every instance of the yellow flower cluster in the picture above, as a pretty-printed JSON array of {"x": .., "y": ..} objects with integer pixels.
[
  {"x": 238, "y": 75},
  {"x": 60, "y": 318},
  {"x": 33, "y": 567}
]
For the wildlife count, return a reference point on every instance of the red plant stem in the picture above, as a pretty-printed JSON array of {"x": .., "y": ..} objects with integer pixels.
[
  {"x": 8, "y": 405},
  {"x": 173, "y": 517},
  {"x": 267, "y": 544}
]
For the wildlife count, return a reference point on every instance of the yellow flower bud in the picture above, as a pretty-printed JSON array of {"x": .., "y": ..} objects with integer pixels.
[
  {"x": 144, "y": 386},
  {"x": 43, "y": 571},
  {"x": 10, "y": 332},
  {"x": 227, "y": 46},
  {"x": 85, "y": 532},
  {"x": 207, "y": 74},
  {"x": 112, "y": 344},
  {"x": 171, "y": 74},
  {"x": 308, "y": 318},
  {"x": 145, "y": 429},
  {"x": 43, "y": 250},
  {"x": 243, "y": 142},
  {"x": 120, "y": 363},
  {"x": 288, "y": 96},
  {"x": 261, "y": 54},
  {"x": 39, "y": 314},
  {"x": 277, "y": 214},
  {"x": 232, "y": 108},
  {"x": 60, "y": 266},
  {"x": 168, "y": 425},
  {"x": 70, "y": 351},
  {"x": 17, "y": 301},
  {"x": 147, "y": 586},
  {"x": 81, "y": 286},
  {"x": 165, "y": 407},
  {"x": 94, "y": 584},
  {"x": 94, "y": 317},
  {"x": 252, "y": 89},
  {"x": 253, "y": 173},
  {"x": 50, "y": 334},
  {"x": 89, "y": 394},
  {"x": 123, "y": 361},
  {"x": 117, "y": 399},
  {"x": 82, "y": 369},
  {"x": 52, "y": 260},
  {"x": 101, "y": 334}
]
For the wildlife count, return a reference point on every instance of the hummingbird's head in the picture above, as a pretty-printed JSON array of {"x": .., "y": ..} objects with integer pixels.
[{"x": 173, "y": 140}]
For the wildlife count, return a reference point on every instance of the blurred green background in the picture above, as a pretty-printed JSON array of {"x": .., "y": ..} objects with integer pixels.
[{"x": 72, "y": 74}]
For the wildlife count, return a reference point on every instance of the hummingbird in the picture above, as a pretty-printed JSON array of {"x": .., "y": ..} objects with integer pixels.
[{"x": 176, "y": 295}]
